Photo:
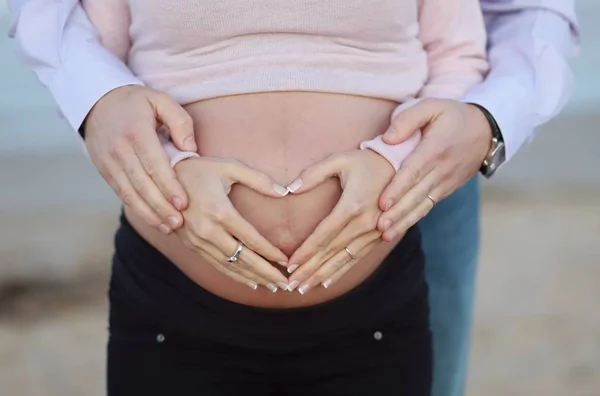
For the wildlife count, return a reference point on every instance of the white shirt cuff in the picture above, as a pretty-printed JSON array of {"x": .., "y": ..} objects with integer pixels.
[
  {"x": 84, "y": 78},
  {"x": 510, "y": 105}
]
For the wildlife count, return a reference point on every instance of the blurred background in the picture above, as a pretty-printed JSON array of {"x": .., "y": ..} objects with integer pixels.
[{"x": 537, "y": 324}]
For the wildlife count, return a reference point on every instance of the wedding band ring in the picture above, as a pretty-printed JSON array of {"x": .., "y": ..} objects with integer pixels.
[
  {"x": 237, "y": 253},
  {"x": 352, "y": 256},
  {"x": 432, "y": 200}
]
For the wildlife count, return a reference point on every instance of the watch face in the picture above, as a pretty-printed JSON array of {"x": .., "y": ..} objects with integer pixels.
[
  {"x": 495, "y": 158},
  {"x": 499, "y": 154}
]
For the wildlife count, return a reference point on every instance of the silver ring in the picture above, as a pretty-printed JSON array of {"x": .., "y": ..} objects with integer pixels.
[
  {"x": 432, "y": 200},
  {"x": 352, "y": 256},
  {"x": 237, "y": 253}
]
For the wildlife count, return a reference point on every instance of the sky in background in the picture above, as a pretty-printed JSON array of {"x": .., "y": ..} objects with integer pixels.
[{"x": 28, "y": 118}]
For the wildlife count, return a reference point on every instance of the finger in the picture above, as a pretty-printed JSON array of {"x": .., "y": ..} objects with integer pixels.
[
  {"x": 409, "y": 118},
  {"x": 247, "y": 260},
  {"x": 179, "y": 122},
  {"x": 344, "y": 269},
  {"x": 360, "y": 225},
  {"x": 256, "y": 180},
  {"x": 240, "y": 278},
  {"x": 156, "y": 164},
  {"x": 120, "y": 183},
  {"x": 413, "y": 170},
  {"x": 408, "y": 203},
  {"x": 316, "y": 174},
  {"x": 341, "y": 259},
  {"x": 235, "y": 271},
  {"x": 212, "y": 255},
  {"x": 326, "y": 231},
  {"x": 245, "y": 232},
  {"x": 147, "y": 190},
  {"x": 408, "y": 221}
]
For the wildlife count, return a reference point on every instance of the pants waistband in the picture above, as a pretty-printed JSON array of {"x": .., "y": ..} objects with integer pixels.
[{"x": 154, "y": 287}]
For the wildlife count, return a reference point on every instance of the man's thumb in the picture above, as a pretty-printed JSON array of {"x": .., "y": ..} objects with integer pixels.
[
  {"x": 179, "y": 123},
  {"x": 406, "y": 120}
]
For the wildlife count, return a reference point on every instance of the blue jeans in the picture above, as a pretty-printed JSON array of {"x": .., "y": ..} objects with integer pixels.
[{"x": 451, "y": 245}]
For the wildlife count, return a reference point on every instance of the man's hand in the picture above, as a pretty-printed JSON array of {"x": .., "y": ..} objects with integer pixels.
[
  {"x": 456, "y": 139},
  {"x": 122, "y": 141}
]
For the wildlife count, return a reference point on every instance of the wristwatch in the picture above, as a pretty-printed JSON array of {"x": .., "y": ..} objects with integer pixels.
[{"x": 497, "y": 154}]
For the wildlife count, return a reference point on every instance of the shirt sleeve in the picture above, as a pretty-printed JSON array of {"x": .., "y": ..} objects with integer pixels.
[
  {"x": 453, "y": 36},
  {"x": 529, "y": 43},
  {"x": 112, "y": 19},
  {"x": 58, "y": 42}
]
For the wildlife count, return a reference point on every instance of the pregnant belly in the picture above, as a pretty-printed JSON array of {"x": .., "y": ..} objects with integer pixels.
[{"x": 279, "y": 134}]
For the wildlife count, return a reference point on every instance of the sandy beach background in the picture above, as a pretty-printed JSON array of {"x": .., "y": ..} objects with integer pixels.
[{"x": 537, "y": 324}]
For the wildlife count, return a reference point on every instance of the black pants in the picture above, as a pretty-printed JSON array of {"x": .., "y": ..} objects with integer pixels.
[{"x": 169, "y": 337}]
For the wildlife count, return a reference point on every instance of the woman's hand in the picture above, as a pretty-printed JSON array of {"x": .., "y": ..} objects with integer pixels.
[
  {"x": 323, "y": 258},
  {"x": 456, "y": 139},
  {"x": 122, "y": 142},
  {"x": 212, "y": 227}
]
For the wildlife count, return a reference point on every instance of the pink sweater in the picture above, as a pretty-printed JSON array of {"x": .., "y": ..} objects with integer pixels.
[{"x": 400, "y": 50}]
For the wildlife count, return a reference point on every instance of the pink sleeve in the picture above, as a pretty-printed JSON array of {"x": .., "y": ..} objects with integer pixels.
[
  {"x": 175, "y": 155},
  {"x": 454, "y": 36},
  {"x": 395, "y": 153},
  {"x": 111, "y": 18}
]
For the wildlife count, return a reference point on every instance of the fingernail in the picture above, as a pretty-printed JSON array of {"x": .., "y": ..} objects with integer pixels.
[
  {"x": 391, "y": 235},
  {"x": 189, "y": 144},
  {"x": 164, "y": 229},
  {"x": 282, "y": 285},
  {"x": 387, "y": 224},
  {"x": 252, "y": 285},
  {"x": 174, "y": 221},
  {"x": 178, "y": 202},
  {"x": 272, "y": 287},
  {"x": 292, "y": 286},
  {"x": 389, "y": 204},
  {"x": 292, "y": 268},
  {"x": 327, "y": 283},
  {"x": 281, "y": 190},
  {"x": 304, "y": 288},
  {"x": 295, "y": 185},
  {"x": 282, "y": 263}
]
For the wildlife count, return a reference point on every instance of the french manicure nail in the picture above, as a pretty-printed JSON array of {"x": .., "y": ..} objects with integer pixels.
[
  {"x": 293, "y": 285},
  {"x": 387, "y": 224},
  {"x": 272, "y": 287},
  {"x": 282, "y": 263},
  {"x": 282, "y": 285},
  {"x": 296, "y": 184},
  {"x": 292, "y": 268},
  {"x": 174, "y": 221},
  {"x": 327, "y": 283},
  {"x": 178, "y": 202},
  {"x": 252, "y": 285},
  {"x": 189, "y": 144},
  {"x": 281, "y": 190},
  {"x": 304, "y": 288},
  {"x": 164, "y": 229}
]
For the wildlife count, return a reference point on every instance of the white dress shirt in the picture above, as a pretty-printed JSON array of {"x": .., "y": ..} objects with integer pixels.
[{"x": 529, "y": 44}]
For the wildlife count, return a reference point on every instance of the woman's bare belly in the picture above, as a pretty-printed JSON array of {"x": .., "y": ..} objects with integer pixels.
[{"x": 279, "y": 134}]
